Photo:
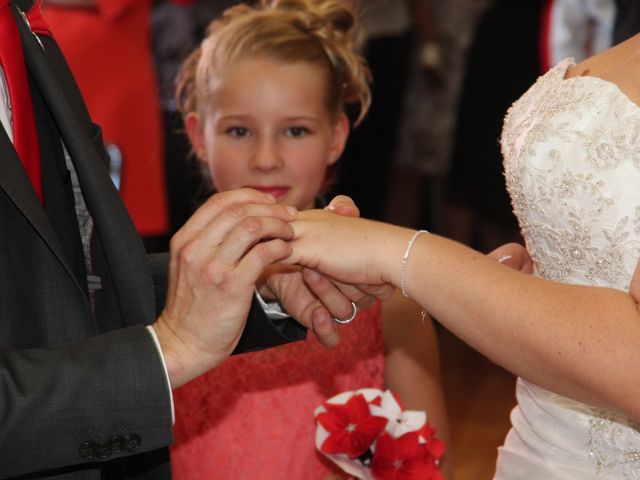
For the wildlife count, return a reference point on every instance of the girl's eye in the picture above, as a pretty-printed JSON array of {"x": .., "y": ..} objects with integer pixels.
[
  {"x": 239, "y": 132},
  {"x": 295, "y": 132}
]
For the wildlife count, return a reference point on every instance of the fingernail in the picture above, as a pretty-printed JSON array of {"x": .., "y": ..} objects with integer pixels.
[
  {"x": 505, "y": 258},
  {"x": 270, "y": 197},
  {"x": 293, "y": 211}
]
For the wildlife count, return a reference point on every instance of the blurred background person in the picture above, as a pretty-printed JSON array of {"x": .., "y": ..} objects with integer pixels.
[
  {"x": 513, "y": 44},
  {"x": 391, "y": 28},
  {"x": 107, "y": 44},
  {"x": 177, "y": 26}
]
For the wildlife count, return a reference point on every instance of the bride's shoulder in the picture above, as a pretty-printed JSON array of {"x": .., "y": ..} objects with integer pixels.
[{"x": 618, "y": 64}]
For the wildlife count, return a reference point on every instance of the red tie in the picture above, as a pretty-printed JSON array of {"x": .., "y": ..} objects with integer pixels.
[
  {"x": 36, "y": 21},
  {"x": 25, "y": 136}
]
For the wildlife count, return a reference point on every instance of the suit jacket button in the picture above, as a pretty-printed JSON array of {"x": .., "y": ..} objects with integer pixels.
[
  {"x": 117, "y": 444},
  {"x": 132, "y": 442},
  {"x": 87, "y": 450},
  {"x": 103, "y": 450}
]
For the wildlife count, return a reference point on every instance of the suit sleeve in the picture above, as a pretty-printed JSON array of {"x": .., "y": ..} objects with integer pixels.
[
  {"x": 260, "y": 332},
  {"x": 53, "y": 403}
]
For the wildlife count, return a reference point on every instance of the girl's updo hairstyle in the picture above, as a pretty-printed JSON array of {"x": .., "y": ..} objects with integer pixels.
[{"x": 320, "y": 32}]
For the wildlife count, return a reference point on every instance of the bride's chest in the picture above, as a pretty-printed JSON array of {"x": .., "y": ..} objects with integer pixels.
[{"x": 572, "y": 168}]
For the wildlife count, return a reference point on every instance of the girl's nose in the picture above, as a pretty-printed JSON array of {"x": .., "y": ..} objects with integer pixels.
[{"x": 265, "y": 156}]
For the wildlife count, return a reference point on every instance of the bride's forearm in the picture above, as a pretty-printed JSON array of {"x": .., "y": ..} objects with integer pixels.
[{"x": 578, "y": 341}]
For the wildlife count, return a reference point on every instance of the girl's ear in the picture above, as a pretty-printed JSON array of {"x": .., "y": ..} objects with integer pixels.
[
  {"x": 339, "y": 138},
  {"x": 196, "y": 135}
]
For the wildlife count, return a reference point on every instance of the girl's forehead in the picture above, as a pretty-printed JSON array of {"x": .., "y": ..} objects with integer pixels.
[{"x": 255, "y": 79}]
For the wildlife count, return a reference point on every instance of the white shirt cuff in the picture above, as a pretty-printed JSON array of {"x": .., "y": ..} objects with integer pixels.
[
  {"x": 154, "y": 335},
  {"x": 273, "y": 309}
]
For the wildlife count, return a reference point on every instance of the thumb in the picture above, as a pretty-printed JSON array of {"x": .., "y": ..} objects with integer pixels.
[{"x": 343, "y": 205}]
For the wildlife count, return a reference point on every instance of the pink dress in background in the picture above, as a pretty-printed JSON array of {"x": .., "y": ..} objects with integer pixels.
[{"x": 252, "y": 417}]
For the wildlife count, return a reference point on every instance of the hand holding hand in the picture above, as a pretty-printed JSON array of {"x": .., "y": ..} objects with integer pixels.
[
  {"x": 350, "y": 250},
  {"x": 314, "y": 299},
  {"x": 215, "y": 261}
]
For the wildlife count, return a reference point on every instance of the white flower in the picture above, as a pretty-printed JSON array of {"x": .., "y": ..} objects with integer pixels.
[{"x": 400, "y": 421}]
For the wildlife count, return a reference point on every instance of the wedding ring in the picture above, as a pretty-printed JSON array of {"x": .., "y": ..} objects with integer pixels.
[{"x": 350, "y": 319}]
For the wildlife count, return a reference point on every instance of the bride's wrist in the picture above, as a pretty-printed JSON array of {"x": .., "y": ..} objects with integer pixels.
[
  {"x": 404, "y": 263},
  {"x": 392, "y": 252}
]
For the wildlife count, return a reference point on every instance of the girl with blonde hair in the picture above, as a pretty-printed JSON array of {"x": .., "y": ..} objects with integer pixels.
[{"x": 264, "y": 99}]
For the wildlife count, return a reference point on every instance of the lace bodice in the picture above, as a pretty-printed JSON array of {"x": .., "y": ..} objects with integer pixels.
[
  {"x": 572, "y": 166},
  {"x": 571, "y": 151}
]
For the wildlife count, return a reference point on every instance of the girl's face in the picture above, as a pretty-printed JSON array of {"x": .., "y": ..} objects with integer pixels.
[{"x": 267, "y": 127}]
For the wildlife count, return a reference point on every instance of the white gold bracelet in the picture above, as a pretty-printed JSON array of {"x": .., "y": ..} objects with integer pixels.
[{"x": 405, "y": 261}]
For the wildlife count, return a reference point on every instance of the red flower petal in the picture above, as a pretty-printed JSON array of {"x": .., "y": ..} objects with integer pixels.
[
  {"x": 401, "y": 459},
  {"x": 365, "y": 434},
  {"x": 436, "y": 448},
  {"x": 352, "y": 429},
  {"x": 332, "y": 422},
  {"x": 408, "y": 446},
  {"x": 338, "y": 442}
]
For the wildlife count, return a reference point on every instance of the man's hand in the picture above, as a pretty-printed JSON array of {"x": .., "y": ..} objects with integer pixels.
[{"x": 215, "y": 261}]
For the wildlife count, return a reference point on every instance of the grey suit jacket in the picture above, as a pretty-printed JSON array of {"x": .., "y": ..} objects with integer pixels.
[{"x": 80, "y": 399}]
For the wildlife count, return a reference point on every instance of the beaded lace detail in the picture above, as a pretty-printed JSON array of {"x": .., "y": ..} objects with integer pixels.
[{"x": 571, "y": 149}]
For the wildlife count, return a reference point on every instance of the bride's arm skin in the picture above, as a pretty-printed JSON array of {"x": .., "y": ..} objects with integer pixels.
[{"x": 581, "y": 342}]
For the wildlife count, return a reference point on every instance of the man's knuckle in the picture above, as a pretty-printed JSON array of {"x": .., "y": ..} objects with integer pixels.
[
  {"x": 217, "y": 275},
  {"x": 251, "y": 224}
]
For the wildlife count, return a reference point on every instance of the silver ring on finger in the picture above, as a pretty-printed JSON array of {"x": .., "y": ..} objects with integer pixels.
[{"x": 350, "y": 319}]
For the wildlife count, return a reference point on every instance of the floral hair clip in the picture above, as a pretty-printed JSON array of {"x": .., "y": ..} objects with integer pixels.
[{"x": 370, "y": 436}]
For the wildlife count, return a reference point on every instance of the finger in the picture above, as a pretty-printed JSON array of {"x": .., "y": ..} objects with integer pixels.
[
  {"x": 239, "y": 262},
  {"x": 330, "y": 296},
  {"x": 324, "y": 327},
  {"x": 343, "y": 205},
  {"x": 513, "y": 255},
  {"x": 364, "y": 295},
  {"x": 355, "y": 293},
  {"x": 219, "y": 203},
  {"x": 197, "y": 244},
  {"x": 260, "y": 256},
  {"x": 382, "y": 291},
  {"x": 503, "y": 251},
  {"x": 634, "y": 287},
  {"x": 248, "y": 233}
]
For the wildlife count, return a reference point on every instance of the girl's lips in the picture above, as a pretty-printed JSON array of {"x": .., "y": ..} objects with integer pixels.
[{"x": 275, "y": 191}]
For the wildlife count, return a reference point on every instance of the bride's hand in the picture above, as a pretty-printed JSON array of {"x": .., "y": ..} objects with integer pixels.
[
  {"x": 350, "y": 250},
  {"x": 513, "y": 255}
]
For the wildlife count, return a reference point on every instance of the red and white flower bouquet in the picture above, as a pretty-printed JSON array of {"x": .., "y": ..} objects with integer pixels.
[{"x": 370, "y": 436}]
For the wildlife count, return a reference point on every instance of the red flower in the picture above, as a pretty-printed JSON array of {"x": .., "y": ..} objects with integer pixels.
[
  {"x": 434, "y": 447},
  {"x": 352, "y": 429},
  {"x": 403, "y": 458}
]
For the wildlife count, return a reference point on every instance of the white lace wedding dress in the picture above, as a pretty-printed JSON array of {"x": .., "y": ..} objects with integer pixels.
[{"x": 571, "y": 149}]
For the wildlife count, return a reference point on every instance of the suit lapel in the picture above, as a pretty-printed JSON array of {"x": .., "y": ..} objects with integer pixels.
[
  {"x": 123, "y": 247},
  {"x": 16, "y": 184}
]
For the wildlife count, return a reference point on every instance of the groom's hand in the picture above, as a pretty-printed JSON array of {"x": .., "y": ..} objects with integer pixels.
[{"x": 215, "y": 260}]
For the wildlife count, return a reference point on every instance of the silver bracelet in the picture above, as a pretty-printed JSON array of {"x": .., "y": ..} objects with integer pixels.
[{"x": 405, "y": 261}]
